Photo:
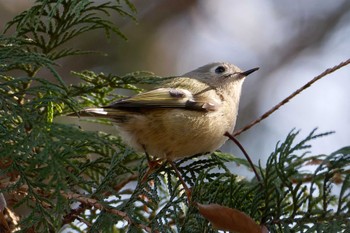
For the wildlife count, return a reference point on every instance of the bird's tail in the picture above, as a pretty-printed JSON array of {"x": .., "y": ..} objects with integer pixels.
[{"x": 97, "y": 112}]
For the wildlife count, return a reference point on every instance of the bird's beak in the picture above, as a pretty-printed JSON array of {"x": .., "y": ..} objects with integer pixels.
[{"x": 248, "y": 72}]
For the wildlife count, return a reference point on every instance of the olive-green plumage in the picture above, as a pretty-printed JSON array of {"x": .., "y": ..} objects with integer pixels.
[{"x": 184, "y": 116}]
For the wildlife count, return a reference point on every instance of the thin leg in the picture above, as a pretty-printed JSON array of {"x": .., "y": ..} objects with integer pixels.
[
  {"x": 152, "y": 165},
  {"x": 147, "y": 155},
  {"x": 187, "y": 190}
]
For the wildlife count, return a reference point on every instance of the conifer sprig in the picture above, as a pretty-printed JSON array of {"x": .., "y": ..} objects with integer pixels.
[{"x": 64, "y": 176}]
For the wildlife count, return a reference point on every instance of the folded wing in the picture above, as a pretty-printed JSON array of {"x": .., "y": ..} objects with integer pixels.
[{"x": 164, "y": 98}]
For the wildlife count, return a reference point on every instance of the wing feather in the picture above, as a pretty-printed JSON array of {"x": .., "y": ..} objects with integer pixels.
[{"x": 162, "y": 98}]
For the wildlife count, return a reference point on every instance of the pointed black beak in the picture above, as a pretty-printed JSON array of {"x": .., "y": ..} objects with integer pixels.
[{"x": 248, "y": 72}]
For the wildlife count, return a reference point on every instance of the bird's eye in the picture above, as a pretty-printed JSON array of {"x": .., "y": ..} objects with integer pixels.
[{"x": 220, "y": 70}]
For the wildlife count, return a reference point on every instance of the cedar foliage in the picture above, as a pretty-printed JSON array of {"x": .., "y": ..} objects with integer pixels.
[{"x": 66, "y": 177}]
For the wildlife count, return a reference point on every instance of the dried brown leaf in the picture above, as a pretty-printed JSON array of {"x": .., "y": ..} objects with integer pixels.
[{"x": 228, "y": 219}]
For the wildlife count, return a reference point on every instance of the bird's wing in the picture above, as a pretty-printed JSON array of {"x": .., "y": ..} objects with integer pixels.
[{"x": 165, "y": 98}]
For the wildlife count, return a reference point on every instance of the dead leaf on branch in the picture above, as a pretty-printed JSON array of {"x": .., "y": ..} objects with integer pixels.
[{"x": 228, "y": 219}]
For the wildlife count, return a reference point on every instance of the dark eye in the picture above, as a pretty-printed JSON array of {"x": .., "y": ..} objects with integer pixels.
[{"x": 220, "y": 70}]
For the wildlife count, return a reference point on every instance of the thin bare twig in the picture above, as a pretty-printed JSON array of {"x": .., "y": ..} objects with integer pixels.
[
  {"x": 178, "y": 174},
  {"x": 227, "y": 134},
  {"x": 272, "y": 110},
  {"x": 95, "y": 203},
  {"x": 74, "y": 213},
  {"x": 85, "y": 203}
]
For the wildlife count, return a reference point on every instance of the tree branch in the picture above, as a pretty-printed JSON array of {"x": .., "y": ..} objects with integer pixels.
[{"x": 286, "y": 100}]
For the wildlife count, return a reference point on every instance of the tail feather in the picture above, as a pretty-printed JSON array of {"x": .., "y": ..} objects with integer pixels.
[{"x": 97, "y": 112}]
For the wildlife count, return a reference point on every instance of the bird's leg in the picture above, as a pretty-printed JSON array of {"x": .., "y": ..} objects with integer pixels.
[
  {"x": 155, "y": 164},
  {"x": 152, "y": 165},
  {"x": 178, "y": 174}
]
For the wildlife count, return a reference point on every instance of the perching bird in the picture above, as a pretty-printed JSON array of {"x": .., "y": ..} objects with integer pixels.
[{"x": 186, "y": 115}]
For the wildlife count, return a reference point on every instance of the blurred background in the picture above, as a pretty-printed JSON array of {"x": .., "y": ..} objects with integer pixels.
[{"x": 291, "y": 41}]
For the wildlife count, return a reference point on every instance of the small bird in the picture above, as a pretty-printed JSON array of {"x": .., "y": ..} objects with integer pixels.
[{"x": 184, "y": 116}]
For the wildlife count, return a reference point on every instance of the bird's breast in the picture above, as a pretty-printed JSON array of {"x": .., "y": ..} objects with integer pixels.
[{"x": 177, "y": 133}]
